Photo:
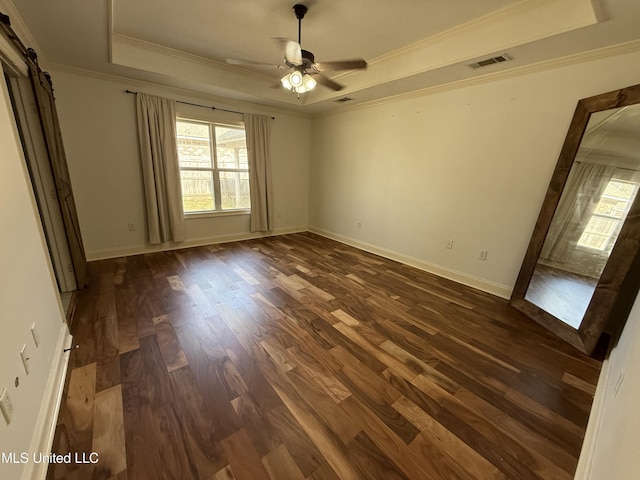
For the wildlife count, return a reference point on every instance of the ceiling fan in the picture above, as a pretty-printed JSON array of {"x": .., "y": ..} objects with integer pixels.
[{"x": 305, "y": 71}]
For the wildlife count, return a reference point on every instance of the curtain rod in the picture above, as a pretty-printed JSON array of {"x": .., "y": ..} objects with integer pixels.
[{"x": 202, "y": 106}]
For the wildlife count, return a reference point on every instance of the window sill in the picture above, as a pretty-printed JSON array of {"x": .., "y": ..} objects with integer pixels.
[
  {"x": 593, "y": 251},
  {"x": 225, "y": 213}
]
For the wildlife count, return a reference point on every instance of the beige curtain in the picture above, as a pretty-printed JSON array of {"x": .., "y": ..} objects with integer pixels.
[
  {"x": 581, "y": 194},
  {"x": 258, "y": 130},
  {"x": 160, "y": 170}
]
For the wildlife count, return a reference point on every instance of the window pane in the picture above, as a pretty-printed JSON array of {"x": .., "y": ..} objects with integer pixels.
[
  {"x": 602, "y": 230},
  {"x": 620, "y": 189},
  {"x": 597, "y": 242},
  {"x": 244, "y": 160},
  {"x": 598, "y": 232},
  {"x": 197, "y": 190},
  {"x": 194, "y": 145},
  {"x": 611, "y": 206},
  {"x": 231, "y": 148},
  {"x": 601, "y": 226},
  {"x": 234, "y": 190}
]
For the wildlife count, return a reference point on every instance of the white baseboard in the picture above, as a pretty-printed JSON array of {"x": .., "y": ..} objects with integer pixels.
[
  {"x": 459, "y": 277},
  {"x": 42, "y": 439},
  {"x": 590, "y": 443},
  {"x": 194, "y": 242}
]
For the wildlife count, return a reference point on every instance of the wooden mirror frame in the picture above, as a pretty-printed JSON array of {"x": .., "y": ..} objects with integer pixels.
[{"x": 618, "y": 286}]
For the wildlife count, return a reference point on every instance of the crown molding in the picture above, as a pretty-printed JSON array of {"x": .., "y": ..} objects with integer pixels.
[
  {"x": 525, "y": 22},
  {"x": 153, "y": 58},
  {"x": 521, "y": 11},
  {"x": 119, "y": 38},
  {"x": 575, "y": 59},
  {"x": 178, "y": 93}
]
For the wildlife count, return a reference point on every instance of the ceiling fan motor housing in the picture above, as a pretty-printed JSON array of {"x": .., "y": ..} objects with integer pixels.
[
  {"x": 304, "y": 66},
  {"x": 305, "y": 73},
  {"x": 300, "y": 11},
  {"x": 307, "y": 58}
]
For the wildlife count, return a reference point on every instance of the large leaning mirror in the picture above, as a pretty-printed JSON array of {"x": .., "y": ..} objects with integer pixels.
[{"x": 581, "y": 274}]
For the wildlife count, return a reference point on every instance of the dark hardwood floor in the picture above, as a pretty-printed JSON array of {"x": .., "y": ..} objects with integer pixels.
[{"x": 297, "y": 357}]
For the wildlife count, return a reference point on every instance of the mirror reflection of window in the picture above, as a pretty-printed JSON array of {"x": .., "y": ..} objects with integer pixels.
[
  {"x": 604, "y": 225},
  {"x": 600, "y": 189}
]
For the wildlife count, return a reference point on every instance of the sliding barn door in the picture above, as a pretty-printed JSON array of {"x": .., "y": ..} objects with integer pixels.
[{"x": 45, "y": 101}]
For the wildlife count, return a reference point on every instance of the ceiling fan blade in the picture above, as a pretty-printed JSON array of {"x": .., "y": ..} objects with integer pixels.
[
  {"x": 327, "y": 82},
  {"x": 354, "y": 64},
  {"x": 293, "y": 53},
  {"x": 249, "y": 63}
]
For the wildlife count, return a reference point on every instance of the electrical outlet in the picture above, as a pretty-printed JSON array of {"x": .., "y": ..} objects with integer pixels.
[
  {"x": 6, "y": 406},
  {"x": 35, "y": 335},
  {"x": 482, "y": 255},
  {"x": 358, "y": 224},
  {"x": 132, "y": 226},
  {"x": 25, "y": 358},
  {"x": 449, "y": 244}
]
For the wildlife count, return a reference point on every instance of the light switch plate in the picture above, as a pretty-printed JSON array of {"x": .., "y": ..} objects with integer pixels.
[
  {"x": 25, "y": 358},
  {"x": 6, "y": 406},
  {"x": 35, "y": 334}
]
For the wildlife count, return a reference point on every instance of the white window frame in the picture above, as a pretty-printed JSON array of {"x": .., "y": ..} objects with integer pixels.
[{"x": 215, "y": 171}]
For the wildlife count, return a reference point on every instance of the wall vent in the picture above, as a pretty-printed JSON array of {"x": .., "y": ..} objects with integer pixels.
[
  {"x": 343, "y": 99},
  {"x": 490, "y": 61}
]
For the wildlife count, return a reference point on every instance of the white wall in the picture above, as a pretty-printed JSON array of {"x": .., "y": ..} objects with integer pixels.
[
  {"x": 612, "y": 440},
  {"x": 28, "y": 294},
  {"x": 473, "y": 164},
  {"x": 470, "y": 164},
  {"x": 98, "y": 123}
]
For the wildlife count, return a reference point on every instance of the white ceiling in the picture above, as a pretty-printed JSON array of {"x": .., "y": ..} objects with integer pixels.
[
  {"x": 612, "y": 135},
  {"x": 409, "y": 44}
]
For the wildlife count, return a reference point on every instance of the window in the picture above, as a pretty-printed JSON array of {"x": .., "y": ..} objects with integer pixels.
[
  {"x": 214, "y": 169},
  {"x": 608, "y": 216}
]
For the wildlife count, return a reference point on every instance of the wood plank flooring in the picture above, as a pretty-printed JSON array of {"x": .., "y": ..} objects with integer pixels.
[{"x": 296, "y": 357}]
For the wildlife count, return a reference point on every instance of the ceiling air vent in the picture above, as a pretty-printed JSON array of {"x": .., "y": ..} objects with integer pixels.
[
  {"x": 490, "y": 61},
  {"x": 343, "y": 99}
]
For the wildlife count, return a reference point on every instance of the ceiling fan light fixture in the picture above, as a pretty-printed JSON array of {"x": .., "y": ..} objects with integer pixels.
[
  {"x": 298, "y": 82},
  {"x": 295, "y": 78},
  {"x": 305, "y": 73},
  {"x": 308, "y": 82},
  {"x": 285, "y": 82}
]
